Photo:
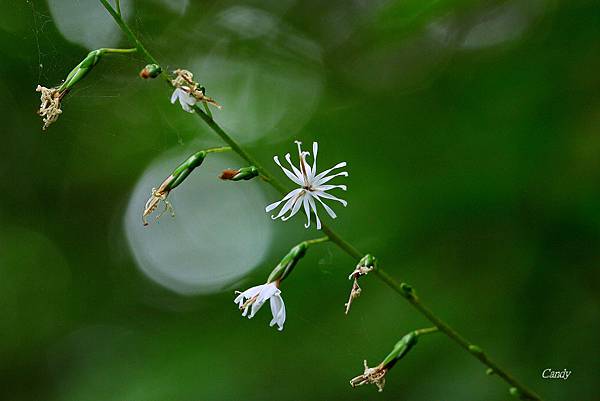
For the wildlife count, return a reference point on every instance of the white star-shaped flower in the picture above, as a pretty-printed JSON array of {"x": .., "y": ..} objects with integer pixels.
[
  {"x": 312, "y": 187},
  {"x": 185, "y": 99},
  {"x": 255, "y": 297}
]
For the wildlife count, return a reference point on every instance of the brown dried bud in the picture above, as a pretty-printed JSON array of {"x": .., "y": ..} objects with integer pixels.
[
  {"x": 150, "y": 71},
  {"x": 228, "y": 174}
]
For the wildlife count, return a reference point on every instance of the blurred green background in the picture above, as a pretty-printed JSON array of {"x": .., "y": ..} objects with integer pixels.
[{"x": 472, "y": 135}]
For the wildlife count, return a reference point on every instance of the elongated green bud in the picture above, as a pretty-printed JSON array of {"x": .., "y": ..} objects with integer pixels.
[
  {"x": 185, "y": 168},
  {"x": 287, "y": 264},
  {"x": 401, "y": 348},
  {"x": 82, "y": 69},
  {"x": 245, "y": 173}
]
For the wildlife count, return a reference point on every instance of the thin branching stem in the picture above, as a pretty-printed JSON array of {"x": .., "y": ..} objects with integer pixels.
[
  {"x": 109, "y": 50},
  {"x": 428, "y": 330},
  {"x": 401, "y": 288},
  {"x": 220, "y": 149},
  {"x": 316, "y": 240}
]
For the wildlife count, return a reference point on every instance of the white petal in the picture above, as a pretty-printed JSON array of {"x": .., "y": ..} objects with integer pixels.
[
  {"x": 288, "y": 196},
  {"x": 306, "y": 211},
  {"x": 309, "y": 171},
  {"x": 329, "y": 196},
  {"x": 186, "y": 107},
  {"x": 327, "y": 208},
  {"x": 324, "y": 173},
  {"x": 278, "y": 311},
  {"x": 185, "y": 99},
  {"x": 328, "y": 187},
  {"x": 323, "y": 180},
  {"x": 314, "y": 155},
  {"x": 288, "y": 205},
  {"x": 267, "y": 292},
  {"x": 249, "y": 293},
  {"x": 296, "y": 179},
  {"x": 275, "y": 309},
  {"x": 175, "y": 95},
  {"x": 295, "y": 208},
  {"x": 282, "y": 315},
  {"x": 294, "y": 169},
  {"x": 314, "y": 208},
  {"x": 255, "y": 308}
]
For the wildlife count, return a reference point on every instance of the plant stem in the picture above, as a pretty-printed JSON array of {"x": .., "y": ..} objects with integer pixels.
[
  {"x": 109, "y": 50},
  {"x": 220, "y": 149},
  {"x": 428, "y": 330},
  {"x": 316, "y": 240},
  {"x": 401, "y": 288}
]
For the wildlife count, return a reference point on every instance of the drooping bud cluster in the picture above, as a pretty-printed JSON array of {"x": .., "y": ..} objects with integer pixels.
[
  {"x": 244, "y": 173},
  {"x": 365, "y": 265}
]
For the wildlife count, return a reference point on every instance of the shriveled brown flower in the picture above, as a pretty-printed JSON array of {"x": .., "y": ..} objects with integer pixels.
[
  {"x": 158, "y": 195},
  {"x": 184, "y": 80},
  {"x": 49, "y": 104},
  {"x": 374, "y": 376},
  {"x": 361, "y": 270}
]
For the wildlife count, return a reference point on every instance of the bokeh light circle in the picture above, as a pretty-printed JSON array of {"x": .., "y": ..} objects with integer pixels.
[{"x": 220, "y": 231}]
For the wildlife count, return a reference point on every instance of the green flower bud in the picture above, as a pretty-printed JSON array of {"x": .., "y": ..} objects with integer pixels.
[
  {"x": 407, "y": 290},
  {"x": 150, "y": 71},
  {"x": 368, "y": 261},
  {"x": 475, "y": 350},
  {"x": 401, "y": 348},
  {"x": 82, "y": 69},
  {"x": 185, "y": 168},
  {"x": 287, "y": 264},
  {"x": 245, "y": 173}
]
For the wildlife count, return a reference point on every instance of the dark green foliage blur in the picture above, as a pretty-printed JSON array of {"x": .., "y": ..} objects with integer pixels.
[{"x": 472, "y": 136}]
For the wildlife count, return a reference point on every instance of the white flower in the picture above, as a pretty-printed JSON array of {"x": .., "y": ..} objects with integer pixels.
[
  {"x": 255, "y": 297},
  {"x": 185, "y": 99},
  {"x": 312, "y": 186}
]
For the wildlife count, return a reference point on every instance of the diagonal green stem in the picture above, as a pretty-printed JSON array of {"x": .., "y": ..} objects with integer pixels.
[
  {"x": 316, "y": 240},
  {"x": 122, "y": 51},
  {"x": 401, "y": 288},
  {"x": 220, "y": 149}
]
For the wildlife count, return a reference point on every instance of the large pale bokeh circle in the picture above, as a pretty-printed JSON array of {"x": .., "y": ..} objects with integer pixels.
[
  {"x": 220, "y": 231},
  {"x": 268, "y": 76},
  {"x": 86, "y": 22}
]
